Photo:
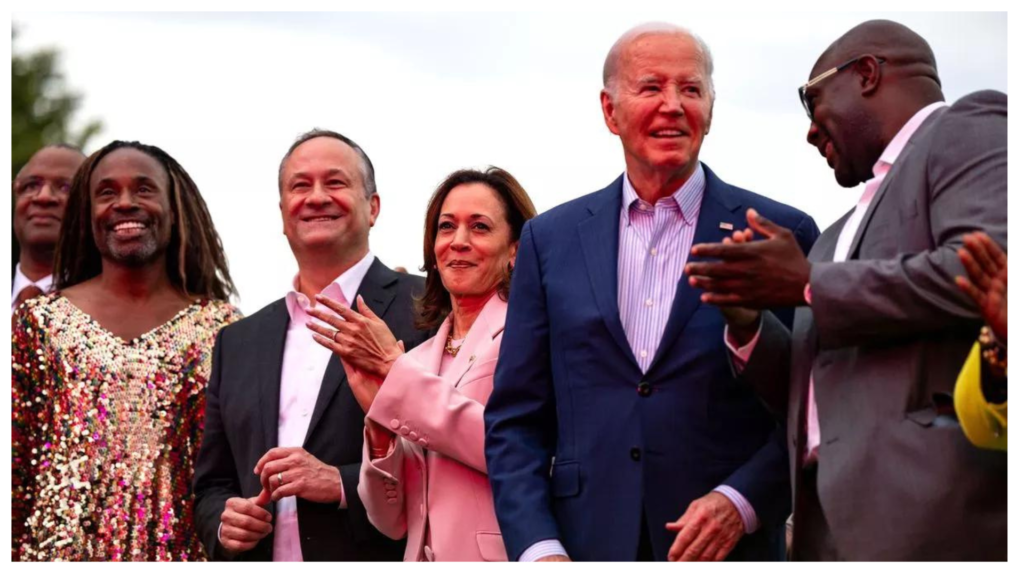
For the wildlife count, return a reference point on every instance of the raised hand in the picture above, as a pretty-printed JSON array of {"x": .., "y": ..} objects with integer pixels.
[
  {"x": 754, "y": 274},
  {"x": 359, "y": 337},
  {"x": 987, "y": 281}
]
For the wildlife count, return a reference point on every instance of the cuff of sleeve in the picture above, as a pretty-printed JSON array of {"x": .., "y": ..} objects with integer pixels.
[
  {"x": 742, "y": 354},
  {"x": 747, "y": 513},
  {"x": 542, "y": 549},
  {"x": 342, "y": 503}
]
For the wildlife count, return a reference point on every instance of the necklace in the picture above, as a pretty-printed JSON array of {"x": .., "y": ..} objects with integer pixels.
[{"x": 453, "y": 350}]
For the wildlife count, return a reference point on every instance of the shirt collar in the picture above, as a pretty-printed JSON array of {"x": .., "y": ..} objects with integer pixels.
[
  {"x": 21, "y": 282},
  {"x": 899, "y": 142},
  {"x": 687, "y": 197},
  {"x": 345, "y": 286}
]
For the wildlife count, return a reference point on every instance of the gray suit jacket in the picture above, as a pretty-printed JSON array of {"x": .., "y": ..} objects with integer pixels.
[{"x": 885, "y": 338}]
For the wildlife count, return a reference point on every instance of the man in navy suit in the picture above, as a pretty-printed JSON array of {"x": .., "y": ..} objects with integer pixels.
[{"x": 617, "y": 429}]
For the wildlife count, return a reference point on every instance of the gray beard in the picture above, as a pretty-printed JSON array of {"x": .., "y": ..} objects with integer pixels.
[{"x": 138, "y": 255}]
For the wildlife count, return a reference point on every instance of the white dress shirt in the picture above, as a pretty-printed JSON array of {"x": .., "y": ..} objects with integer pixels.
[
  {"x": 21, "y": 282},
  {"x": 302, "y": 371}
]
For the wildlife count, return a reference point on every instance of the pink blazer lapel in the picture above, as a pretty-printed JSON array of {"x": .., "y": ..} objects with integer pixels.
[{"x": 485, "y": 329}]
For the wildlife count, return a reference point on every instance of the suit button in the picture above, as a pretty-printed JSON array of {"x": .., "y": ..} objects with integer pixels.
[
  {"x": 392, "y": 501},
  {"x": 395, "y": 424},
  {"x": 423, "y": 442},
  {"x": 644, "y": 389},
  {"x": 413, "y": 436},
  {"x": 634, "y": 453},
  {"x": 404, "y": 430},
  {"x": 391, "y": 493}
]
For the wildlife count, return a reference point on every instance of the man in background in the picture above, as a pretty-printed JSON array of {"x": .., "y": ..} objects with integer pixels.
[{"x": 40, "y": 193}]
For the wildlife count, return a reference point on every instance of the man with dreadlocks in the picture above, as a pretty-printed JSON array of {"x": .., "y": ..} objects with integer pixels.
[{"x": 110, "y": 370}]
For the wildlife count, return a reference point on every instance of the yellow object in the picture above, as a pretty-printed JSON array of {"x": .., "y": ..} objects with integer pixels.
[{"x": 984, "y": 423}]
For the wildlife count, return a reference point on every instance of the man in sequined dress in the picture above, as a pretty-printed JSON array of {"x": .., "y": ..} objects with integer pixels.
[{"x": 110, "y": 370}]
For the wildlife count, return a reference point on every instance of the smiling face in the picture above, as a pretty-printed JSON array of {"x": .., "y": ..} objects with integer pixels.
[
  {"x": 842, "y": 128},
  {"x": 474, "y": 246},
  {"x": 40, "y": 195},
  {"x": 324, "y": 206},
  {"x": 660, "y": 104},
  {"x": 132, "y": 219}
]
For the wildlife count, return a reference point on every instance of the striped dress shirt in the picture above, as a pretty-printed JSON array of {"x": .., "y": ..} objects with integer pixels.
[{"x": 654, "y": 242}]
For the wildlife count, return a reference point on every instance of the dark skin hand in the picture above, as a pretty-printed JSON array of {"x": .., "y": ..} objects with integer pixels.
[
  {"x": 986, "y": 281},
  {"x": 757, "y": 274}
]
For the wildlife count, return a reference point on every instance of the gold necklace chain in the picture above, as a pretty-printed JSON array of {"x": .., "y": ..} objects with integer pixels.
[{"x": 453, "y": 350}]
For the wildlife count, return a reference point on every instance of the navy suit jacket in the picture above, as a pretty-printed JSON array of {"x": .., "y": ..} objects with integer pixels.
[{"x": 580, "y": 442}]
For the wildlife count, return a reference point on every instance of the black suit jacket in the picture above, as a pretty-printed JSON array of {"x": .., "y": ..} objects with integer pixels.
[{"x": 241, "y": 426}]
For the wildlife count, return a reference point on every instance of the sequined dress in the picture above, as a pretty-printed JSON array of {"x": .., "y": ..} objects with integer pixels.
[{"x": 105, "y": 433}]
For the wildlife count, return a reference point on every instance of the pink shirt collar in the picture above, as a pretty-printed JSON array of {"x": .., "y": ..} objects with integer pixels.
[
  {"x": 344, "y": 286},
  {"x": 899, "y": 142}
]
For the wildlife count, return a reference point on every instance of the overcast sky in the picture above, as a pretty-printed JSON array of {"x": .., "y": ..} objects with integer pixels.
[{"x": 426, "y": 94}]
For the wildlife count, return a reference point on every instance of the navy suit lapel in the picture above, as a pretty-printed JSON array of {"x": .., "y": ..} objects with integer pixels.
[
  {"x": 717, "y": 207},
  {"x": 599, "y": 237},
  {"x": 274, "y": 328},
  {"x": 377, "y": 290}
]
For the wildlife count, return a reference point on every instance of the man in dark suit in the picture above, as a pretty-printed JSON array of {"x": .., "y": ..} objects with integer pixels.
[
  {"x": 283, "y": 439},
  {"x": 881, "y": 469},
  {"x": 616, "y": 430}
]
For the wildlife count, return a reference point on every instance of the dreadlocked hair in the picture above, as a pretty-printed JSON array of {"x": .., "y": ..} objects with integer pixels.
[{"x": 195, "y": 256}]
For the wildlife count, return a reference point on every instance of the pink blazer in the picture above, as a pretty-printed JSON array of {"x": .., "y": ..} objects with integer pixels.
[{"x": 437, "y": 462}]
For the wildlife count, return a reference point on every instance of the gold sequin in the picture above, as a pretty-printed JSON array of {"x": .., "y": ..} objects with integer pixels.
[{"x": 105, "y": 433}]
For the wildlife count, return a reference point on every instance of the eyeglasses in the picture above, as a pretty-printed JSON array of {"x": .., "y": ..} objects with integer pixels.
[{"x": 802, "y": 91}]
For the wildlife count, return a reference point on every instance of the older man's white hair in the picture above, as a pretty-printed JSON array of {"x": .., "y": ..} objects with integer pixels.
[{"x": 613, "y": 60}]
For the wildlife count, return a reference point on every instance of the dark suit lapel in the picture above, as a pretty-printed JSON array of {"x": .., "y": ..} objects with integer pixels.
[
  {"x": 716, "y": 208},
  {"x": 599, "y": 236},
  {"x": 377, "y": 290},
  {"x": 889, "y": 178},
  {"x": 269, "y": 354}
]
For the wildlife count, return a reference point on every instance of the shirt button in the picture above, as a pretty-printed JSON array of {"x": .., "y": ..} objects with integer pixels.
[
  {"x": 654, "y": 251},
  {"x": 644, "y": 389},
  {"x": 649, "y": 302},
  {"x": 643, "y": 353},
  {"x": 634, "y": 453}
]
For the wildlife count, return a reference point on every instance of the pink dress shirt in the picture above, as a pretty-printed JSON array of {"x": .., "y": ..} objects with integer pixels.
[
  {"x": 842, "y": 252},
  {"x": 302, "y": 371}
]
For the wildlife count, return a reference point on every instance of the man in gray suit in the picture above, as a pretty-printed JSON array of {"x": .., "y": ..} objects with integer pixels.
[{"x": 880, "y": 468}]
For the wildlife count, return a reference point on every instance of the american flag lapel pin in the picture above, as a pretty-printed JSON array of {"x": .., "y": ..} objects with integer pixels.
[{"x": 725, "y": 226}]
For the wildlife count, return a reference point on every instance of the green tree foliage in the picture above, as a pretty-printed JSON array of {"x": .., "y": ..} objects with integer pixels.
[{"x": 42, "y": 107}]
